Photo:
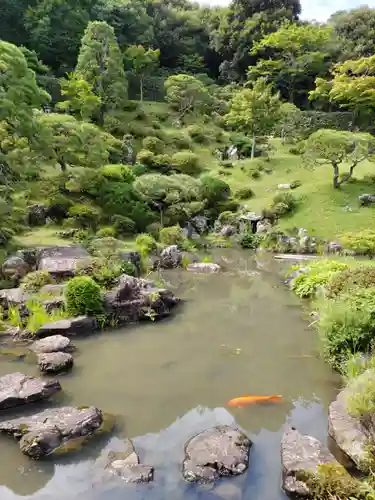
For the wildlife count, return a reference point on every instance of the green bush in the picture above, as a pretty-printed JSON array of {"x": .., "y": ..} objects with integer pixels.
[
  {"x": 255, "y": 174},
  {"x": 177, "y": 139},
  {"x": 347, "y": 325},
  {"x": 107, "y": 232},
  {"x": 244, "y": 193},
  {"x": 287, "y": 199},
  {"x": 123, "y": 225},
  {"x": 138, "y": 169},
  {"x": 139, "y": 131},
  {"x": 106, "y": 271},
  {"x": 348, "y": 279},
  {"x": 362, "y": 243},
  {"x": 162, "y": 163},
  {"x": 250, "y": 240},
  {"x": 107, "y": 247},
  {"x": 317, "y": 274},
  {"x": 153, "y": 144},
  {"x": 118, "y": 173},
  {"x": 84, "y": 216},
  {"x": 154, "y": 229},
  {"x": 58, "y": 207},
  {"x": 171, "y": 236},
  {"x": 197, "y": 133},
  {"x": 83, "y": 296},
  {"x": 145, "y": 243},
  {"x": 145, "y": 157},
  {"x": 34, "y": 281},
  {"x": 228, "y": 217},
  {"x": 214, "y": 190},
  {"x": 186, "y": 162}
]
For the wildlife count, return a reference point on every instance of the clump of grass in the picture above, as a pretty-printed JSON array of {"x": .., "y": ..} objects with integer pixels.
[{"x": 36, "y": 318}]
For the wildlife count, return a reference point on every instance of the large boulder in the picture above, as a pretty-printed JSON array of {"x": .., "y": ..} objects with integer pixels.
[
  {"x": 80, "y": 325},
  {"x": 17, "y": 389},
  {"x": 200, "y": 224},
  {"x": 170, "y": 257},
  {"x": 15, "y": 268},
  {"x": 301, "y": 456},
  {"x": 135, "y": 299},
  {"x": 53, "y": 430},
  {"x": 62, "y": 262},
  {"x": 350, "y": 434},
  {"x": 213, "y": 453},
  {"x": 36, "y": 215},
  {"x": 204, "y": 267},
  {"x": 55, "y": 362},
  {"x": 365, "y": 200},
  {"x": 55, "y": 343},
  {"x": 13, "y": 297},
  {"x": 126, "y": 465}
]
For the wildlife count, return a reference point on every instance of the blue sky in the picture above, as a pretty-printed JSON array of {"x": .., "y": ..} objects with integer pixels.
[{"x": 315, "y": 9}]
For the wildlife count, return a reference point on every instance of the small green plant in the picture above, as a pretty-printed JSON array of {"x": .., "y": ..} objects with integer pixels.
[
  {"x": 107, "y": 232},
  {"x": 145, "y": 242},
  {"x": 244, "y": 193},
  {"x": 83, "y": 296},
  {"x": 39, "y": 316},
  {"x": 228, "y": 217},
  {"x": 250, "y": 240},
  {"x": 288, "y": 200},
  {"x": 171, "y": 236},
  {"x": 34, "y": 281},
  {"x": 14, "y": 317}
]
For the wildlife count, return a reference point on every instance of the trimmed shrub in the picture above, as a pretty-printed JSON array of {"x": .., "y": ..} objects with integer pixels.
[
  {"x": 250, "y": 240},
  {"x": 176, "y": 139},
  {"x": 83, "y": 296},
  {"x": 58, "y": 207},
  {"x": 118, "y": 173},
  {"x": 146, "y": 243},
  {"x": 227, "y": 218},
  {"x": 34, "y": 281},
  {"x": 186, "y": 162},
  {"x": 138, "y": 169},
  {"x": 244, "y": 193},
  {"x": 214, "y": 190},
  {"x": 154, "y": 229},
  {"x": 140, "y": 131},
  {"x": 106, "y": 271},
  {"x": 145, "y": 157},
  {"x": 123, "y": 225},
  {"x": 363, "y": 277},
  {"x": 107, "y": 232},
  {"x": 197, "y": 133},
  {"x": 84, "y": 216},
  {"x": 171, "y": 236},
  {"x": 153, "y": 144},
  {"x": 162, "y": 163},
  {"x": 362, "y": 243}
]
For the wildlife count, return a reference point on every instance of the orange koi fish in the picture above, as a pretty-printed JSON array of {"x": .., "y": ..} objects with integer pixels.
[{"x": 249, "y": 400}]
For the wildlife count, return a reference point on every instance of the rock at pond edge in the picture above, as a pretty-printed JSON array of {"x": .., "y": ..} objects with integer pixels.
[
  {"x": 125, "y": 465},
  {"x": 54, "y": 343},
  {"x": 217, "y": 452},
  {"x": 54, "y": 362}
]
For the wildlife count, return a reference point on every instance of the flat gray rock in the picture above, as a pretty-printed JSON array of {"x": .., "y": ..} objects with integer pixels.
[
  {"x": 17, "y": 389},
  {"x": 301, "y": 454},
  {"x": 68, "y": 327},
  {"x": 62, "y": 261},
  {"x": 213, "y": 453},
  {"x": 125, "y": 464},
  {"x": 348, "y": 432},
  {"x": 55, "y": 343},
  {"x": 55, "y": 362},
  {"x": 57, "y": 429},
  {"x": 204, "y": 267}
]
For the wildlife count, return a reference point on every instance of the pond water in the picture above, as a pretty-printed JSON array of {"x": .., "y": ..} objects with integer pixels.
[{"x": 238, "y": 332}]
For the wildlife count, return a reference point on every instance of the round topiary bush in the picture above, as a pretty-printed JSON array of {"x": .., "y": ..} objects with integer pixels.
[
  {"x": 107, "y": 232},
  {"x": 186, "y": 162},
  {"x": 123, "y": 225},
  {"x": 171, "y": 236},
  {"x": 145, "y": 157},
  {"x": 145, "y": 243},
  {"x": 244, "y": 193},
  {"x": 214, "y": 189},
  {"x": 153, "y": 144},
  {"x": 118, "y": 173},
  {"x": 197, "y": 133},
  {"x": 83, "y": 296},
  {"x": 84, "y": 216},
  {"x": 34, "y": 281},
  {"x": 138, "y": 169}
]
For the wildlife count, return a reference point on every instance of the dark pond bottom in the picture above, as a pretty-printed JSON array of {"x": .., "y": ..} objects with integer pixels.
[{"x": 239, "y": 332}]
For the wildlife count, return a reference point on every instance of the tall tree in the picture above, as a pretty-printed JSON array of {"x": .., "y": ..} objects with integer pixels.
[
  {"x": 100, "y": 63},
  {"x": 79, "y": 98},
  {"x": 142, "y": 62},
  {"x": 292, "y": 57},
  {"x": 254, "y": 111}
]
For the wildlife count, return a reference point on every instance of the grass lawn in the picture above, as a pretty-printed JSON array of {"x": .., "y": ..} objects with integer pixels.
[
  {"x": 321, "y": 209},
  {"x": 42, "y": 236}
]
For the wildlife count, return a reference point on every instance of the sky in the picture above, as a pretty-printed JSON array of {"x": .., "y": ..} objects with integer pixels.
[{"x": 320, "y": 10}]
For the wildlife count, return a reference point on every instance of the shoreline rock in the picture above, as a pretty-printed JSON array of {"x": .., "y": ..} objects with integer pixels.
[
  {"x": 52, "y": 430},
  {"x": 79, "y": 325},
  {"x": 17, "y": 389},
  {"x": 54, "y": 343},
  {"x": 204, "y": 267},
  {"x": 126, "y": 465},
  {"x": 218, "y": 452},
  {"x": 54, "y": 362}
]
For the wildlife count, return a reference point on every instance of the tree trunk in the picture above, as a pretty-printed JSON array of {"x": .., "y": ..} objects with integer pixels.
[
  {"x": 347, "y": 177},
  {"x": 62, "y": 165},
  {"x": 253, "y": 148},
  {"x": 141, "y": 87},
  {"x": 161, "y": 218},
  {"x": 336, "y": 173}
]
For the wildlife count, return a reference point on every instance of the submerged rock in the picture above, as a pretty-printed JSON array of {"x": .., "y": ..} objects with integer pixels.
[
  {"x": 62, "y": 262},
  {"x": 135, "y": 299},
  {"x": 125, "y": 464},
  {"x": 67, "y": 327},
  {"x": 301, "y": 455},
  {"x": 18, "y": 389},
  {"x": 204, "y": 267},
  {"x": 57, "y": 429},
  {"x": 54, "y": 362},
  {"x": 55, "y": 343},
  {"x": 349, "y": 433},
  {"x": 213, "y": 453}
]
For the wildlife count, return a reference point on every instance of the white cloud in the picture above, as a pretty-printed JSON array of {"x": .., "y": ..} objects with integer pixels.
[{"x": 318, "y": 9}]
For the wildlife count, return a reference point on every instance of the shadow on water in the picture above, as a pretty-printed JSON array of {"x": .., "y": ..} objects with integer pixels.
[{"x": 238, "y": 332}]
